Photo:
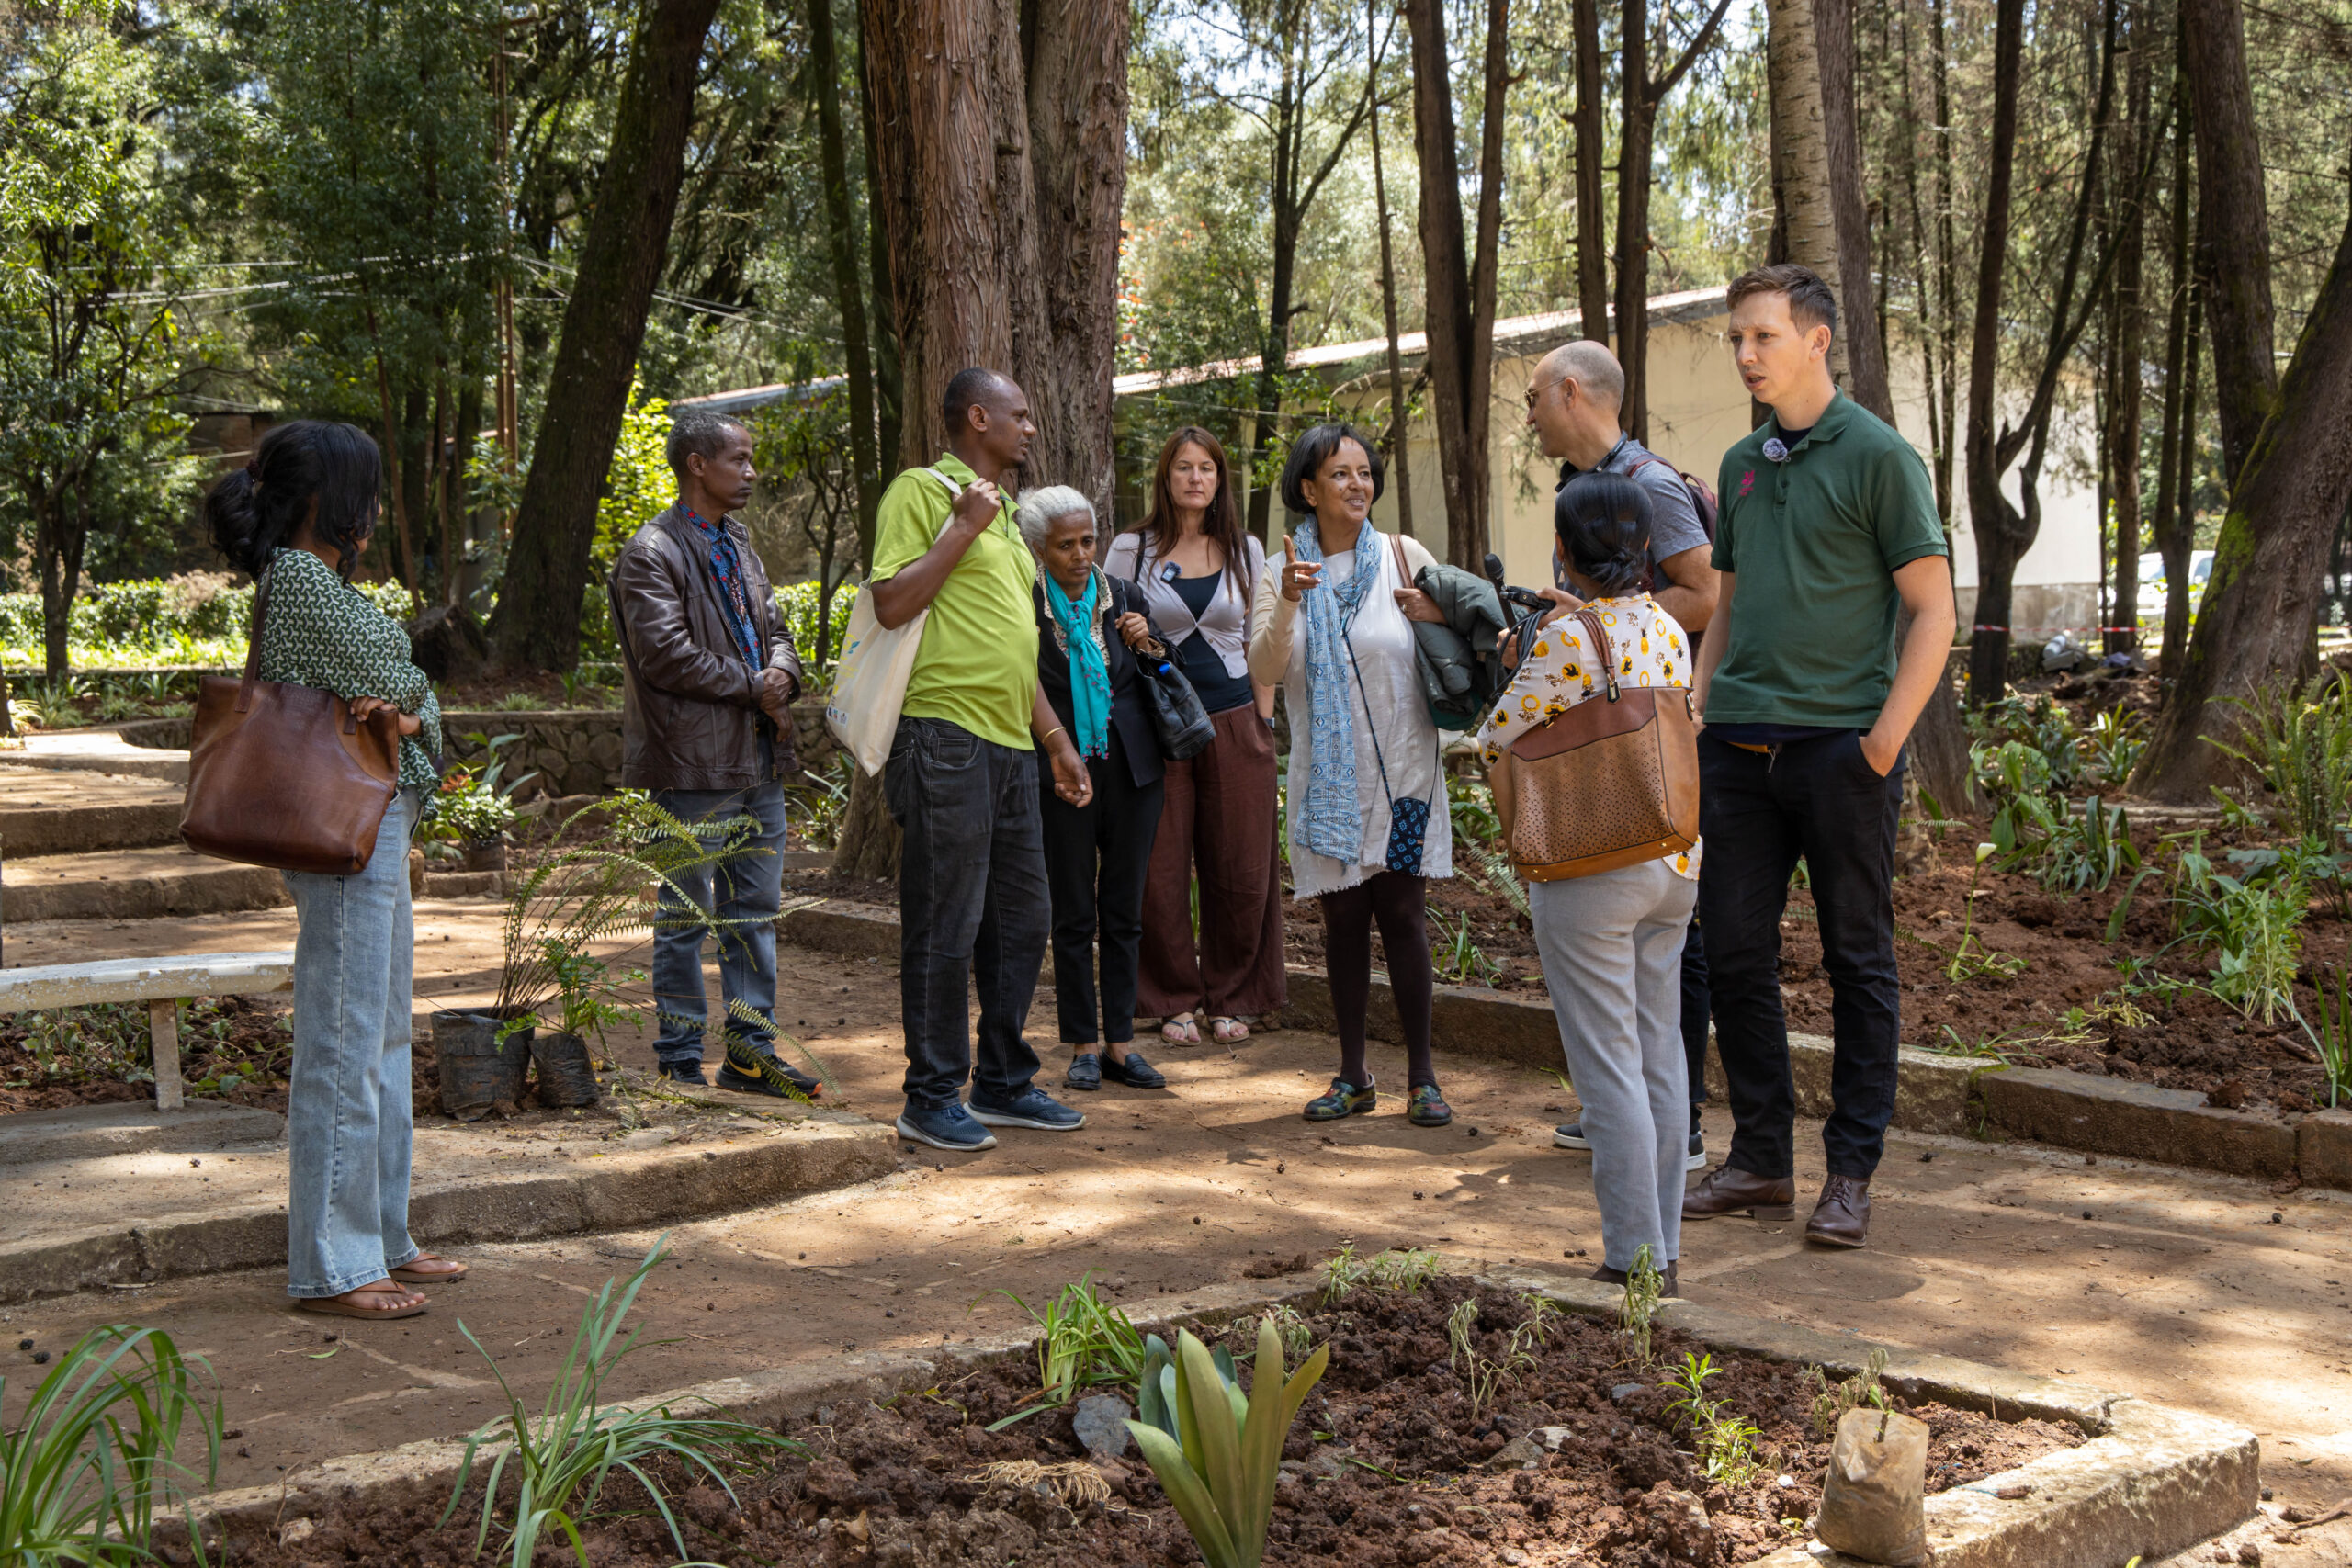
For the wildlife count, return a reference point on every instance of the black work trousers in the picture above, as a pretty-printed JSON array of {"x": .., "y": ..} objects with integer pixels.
[
  {"x": 1818, "y": 798},
  {"x": 1096, "y": 857}
]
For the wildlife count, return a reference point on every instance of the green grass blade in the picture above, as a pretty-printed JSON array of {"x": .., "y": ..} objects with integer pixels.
[{"x": 1185, "y": 1490}]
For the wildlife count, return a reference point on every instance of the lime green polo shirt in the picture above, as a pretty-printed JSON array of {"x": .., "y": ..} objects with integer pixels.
[
  {"x": 977, "y": 665},
  {"x": 1815, "y": 539}
]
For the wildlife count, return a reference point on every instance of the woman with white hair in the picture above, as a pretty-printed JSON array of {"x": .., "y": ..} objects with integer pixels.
[{"x": 1096, "y": 853}]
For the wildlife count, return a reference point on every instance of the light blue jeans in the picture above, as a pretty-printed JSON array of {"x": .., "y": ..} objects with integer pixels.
[
  {"x": 348, "y": 1124},
  {"x": 1612, "y": 959},
  {"x": 745, "y": 893}
]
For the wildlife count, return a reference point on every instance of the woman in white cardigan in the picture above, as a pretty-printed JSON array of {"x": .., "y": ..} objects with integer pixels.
[{"x": 1367, "y": 817}]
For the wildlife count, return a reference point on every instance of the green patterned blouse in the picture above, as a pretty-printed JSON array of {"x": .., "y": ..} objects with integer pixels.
[{"x": 320, "y": 631}]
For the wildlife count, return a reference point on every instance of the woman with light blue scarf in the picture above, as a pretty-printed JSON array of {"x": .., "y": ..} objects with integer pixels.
[
  {"x": 1097, "y": 852},
  {"x": 1368, "y": 819}
]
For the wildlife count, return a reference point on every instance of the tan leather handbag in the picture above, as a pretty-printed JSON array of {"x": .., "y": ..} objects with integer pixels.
[
  {"x": 283, "y": 776},
  {"x": 1613, "y": 782}
]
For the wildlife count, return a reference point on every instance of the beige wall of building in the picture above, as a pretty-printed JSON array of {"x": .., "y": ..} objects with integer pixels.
[{"x": 1698, "y": 409}]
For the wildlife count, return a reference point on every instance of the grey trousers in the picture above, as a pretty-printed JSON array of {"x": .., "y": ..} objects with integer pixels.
[{"x": 1613, "y": 957}]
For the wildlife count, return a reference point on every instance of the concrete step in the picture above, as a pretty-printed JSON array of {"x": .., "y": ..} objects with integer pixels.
[
  {"x": 98, "y": 750},
  {"x": 47, "y": 812},
  {"x": 132, "y": 885}
]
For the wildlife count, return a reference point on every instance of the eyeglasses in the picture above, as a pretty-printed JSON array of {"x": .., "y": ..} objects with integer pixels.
[{"x": 1537, "y": 391}]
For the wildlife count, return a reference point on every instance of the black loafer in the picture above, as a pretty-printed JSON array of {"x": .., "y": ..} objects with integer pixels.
[
  {"x": 1133, "y": 1071},
  {"x": 1085, "y": 1072}
]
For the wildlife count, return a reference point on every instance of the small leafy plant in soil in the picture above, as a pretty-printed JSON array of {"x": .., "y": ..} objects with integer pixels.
[
  {"x": 1388, "y": 1463},
  {"x": 234, "y": 1048}
]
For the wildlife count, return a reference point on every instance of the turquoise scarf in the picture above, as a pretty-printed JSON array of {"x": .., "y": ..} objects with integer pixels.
[{"x": 1089, "y": 672}]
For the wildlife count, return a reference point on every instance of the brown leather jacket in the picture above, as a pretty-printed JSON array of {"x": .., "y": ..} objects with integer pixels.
[{"x": 690, "y": 710}]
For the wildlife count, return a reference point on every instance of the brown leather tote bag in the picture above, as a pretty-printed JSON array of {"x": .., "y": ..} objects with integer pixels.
[
  {"x": 1613, "y": 782},
  {"x": 283, "y": 776}
]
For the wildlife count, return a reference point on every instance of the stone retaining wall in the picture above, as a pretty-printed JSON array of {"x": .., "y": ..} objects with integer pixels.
[{"x": 578, "y": 751}]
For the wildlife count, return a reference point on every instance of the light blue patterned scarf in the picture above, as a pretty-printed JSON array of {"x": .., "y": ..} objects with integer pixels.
[
  {"x": 1332, "y": 824},
  {"x": 1090, "y": 673}
]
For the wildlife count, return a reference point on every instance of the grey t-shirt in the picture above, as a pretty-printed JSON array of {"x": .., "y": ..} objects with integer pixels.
[{"x": 1674, "y": 524}]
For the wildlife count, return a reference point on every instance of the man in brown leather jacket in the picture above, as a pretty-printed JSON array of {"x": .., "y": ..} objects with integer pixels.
[{"x": 706, "y": 726}]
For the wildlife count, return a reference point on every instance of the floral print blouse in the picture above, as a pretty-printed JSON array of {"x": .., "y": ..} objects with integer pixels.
[
  {"x": 1651, "y": 649},
  {"x": 320, "y": 631}
]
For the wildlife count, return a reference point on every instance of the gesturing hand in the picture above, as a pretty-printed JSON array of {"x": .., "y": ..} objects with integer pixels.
[{"x": 1298, "y": 576}]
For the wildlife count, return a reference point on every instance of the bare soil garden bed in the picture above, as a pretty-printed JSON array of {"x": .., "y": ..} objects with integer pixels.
[
  {"x": 1387, "y": 1462},
  {"x": 237, "y": 1049}
]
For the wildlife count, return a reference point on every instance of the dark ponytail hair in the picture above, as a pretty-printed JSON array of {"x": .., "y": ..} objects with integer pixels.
[
  {"x": 255, "y": 511},
  {"x": 1603, "y": 522}
]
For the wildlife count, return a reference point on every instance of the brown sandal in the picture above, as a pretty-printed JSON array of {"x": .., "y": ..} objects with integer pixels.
[
  {"x": 408, "y": 1273},
  {"x": 342, "y": 1306}
]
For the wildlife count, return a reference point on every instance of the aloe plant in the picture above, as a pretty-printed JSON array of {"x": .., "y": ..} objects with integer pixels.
[{"x": 1219, "y": 1469}]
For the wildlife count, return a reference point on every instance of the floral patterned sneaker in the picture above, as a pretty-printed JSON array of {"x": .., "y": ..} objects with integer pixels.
[
  {"x": 1425, "y": 1107},
  {"x": 1344, "y": 1100}
]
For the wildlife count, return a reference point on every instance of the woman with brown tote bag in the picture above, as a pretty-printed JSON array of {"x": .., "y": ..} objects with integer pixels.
[
  {"x": 298, "y": 517},
  {"x": 1611, "y": 938}
]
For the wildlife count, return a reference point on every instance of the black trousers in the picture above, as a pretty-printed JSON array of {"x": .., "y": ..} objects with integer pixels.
[
  {"x": 971, "y": 910},
  {"x": 1695, "y": 1006},
  {"x": 1096, "y": 858},
  {"x": 1760, "y": 812}
]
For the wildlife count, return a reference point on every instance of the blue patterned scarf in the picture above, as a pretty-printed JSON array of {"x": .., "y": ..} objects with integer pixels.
[
  {"x": 1332, "y": 824},
  {"x": 728, "y": 567},
  {"x": 1089, "y": 672}
]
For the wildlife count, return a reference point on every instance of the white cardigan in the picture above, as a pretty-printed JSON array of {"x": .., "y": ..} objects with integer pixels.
[
  {"x": 1225, "y": 622},
  {"x": 1384, "y": 643}
]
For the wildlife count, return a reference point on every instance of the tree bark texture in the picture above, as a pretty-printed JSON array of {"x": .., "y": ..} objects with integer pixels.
[
  {"x": 1461, "y": 279},
  {"x": 2261, "y": 606},
  {"x": 1636, "y": 140},
  {"x": 1807, "y": 204},
  {"x": 2234, "y": 224},
  {"x": 2175, "y": 526},
  {"x": 849, "y": 288},
  {"x": 1988, "y": 643},
  {"x": 537, "y": 623},
  {"x": 1858, "y": 314},
  {"x": 1400, "y": 428},
  {"x": 2126, "y": 324},
  {"x": 1592, "y": 245}
]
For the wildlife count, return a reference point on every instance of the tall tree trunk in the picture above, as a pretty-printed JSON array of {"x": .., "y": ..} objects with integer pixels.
[
  {"x": 2261, "y": 606},
  {"x": 1636, "y": 137},
  {"x": 1592, "y": 241},
  {"x": 889, "y": 387},
  {"x": 2233, "y": 225},
  {"x": 997, "y": 142},
  {"x": 537, "y": 623},
  {"x": 849, "y": 289},
  {"x": 1400, "y": 440},
  {"x": 2175, "y": 530},
  {"x": 1460, "y": 321},
  {"x": 1273, "y": 354},
  {"x": 60, "y": 534},
  {"x": 1807, "y": 205},
  {"x": 1833, "y": 27},
  {"x": 401, "y": 535},
  {"x": 2126, "y": 318}
]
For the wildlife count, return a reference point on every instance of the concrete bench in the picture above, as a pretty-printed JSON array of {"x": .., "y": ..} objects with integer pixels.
[{"x": 158, "y": 982}]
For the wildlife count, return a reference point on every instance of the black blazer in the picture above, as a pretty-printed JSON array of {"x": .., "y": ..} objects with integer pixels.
[{"x": 1129, "y": 719}]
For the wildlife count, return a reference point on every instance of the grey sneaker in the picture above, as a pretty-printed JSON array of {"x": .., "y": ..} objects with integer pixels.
[
  {"x": 1571, "y": 1136},
  {"x": 1698, "y": 1160}
]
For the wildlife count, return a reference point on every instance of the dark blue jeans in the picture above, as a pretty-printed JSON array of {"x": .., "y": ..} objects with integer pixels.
[
  {"x": 1760, "y": 812},
  {"x": 973, "y": 909},
  {"x": 743, "y": 893}
]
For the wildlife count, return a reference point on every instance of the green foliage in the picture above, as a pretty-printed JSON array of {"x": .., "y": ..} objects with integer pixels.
[
  {"x": 1390, "y": 1270},
  {"x": 1082, "y": 1342},
  {"x": 801, "y": 606},
  {"x": 2299, "y": 743},
  {"x": 1831, "y": 1401},
  {"x": 92, "y": 1454},
  {"x": 639, "y": 485},
  {"x": 1297, "y": 1338},
  {"x": 1645, "y": 1288},
  {"x": 2332, "y": 1038},
  {"x": 197, "y": 620},
  {"x": 2254, "y": 926},
  {"x": 562, "y": 1456},
  {"x": 1460, "y": 960},
  {"x": 1972, "y": 960},
  {"x": 1220, "y": 1466},
  {"x": 475, "y": 802},
  {"x": 1726, "y": 1444},
  {"x": 823, "y": 801}
]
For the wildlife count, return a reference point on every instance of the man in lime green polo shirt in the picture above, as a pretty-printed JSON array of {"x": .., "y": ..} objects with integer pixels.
[
  {"x": 1828, "y": 529},
  {"x": 962, "y": 782}
]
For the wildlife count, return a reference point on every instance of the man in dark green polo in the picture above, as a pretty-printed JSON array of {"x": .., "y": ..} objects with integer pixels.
[{"x": 1828, "y": 529}]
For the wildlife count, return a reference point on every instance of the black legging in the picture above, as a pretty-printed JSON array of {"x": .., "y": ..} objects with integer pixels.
[{"x": 1398, "y": 902}]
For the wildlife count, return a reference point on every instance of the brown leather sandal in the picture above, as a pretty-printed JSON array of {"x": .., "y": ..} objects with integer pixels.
[
  {"x": 408, "y": 1273},
  {"x": 407, "y": 1303}
]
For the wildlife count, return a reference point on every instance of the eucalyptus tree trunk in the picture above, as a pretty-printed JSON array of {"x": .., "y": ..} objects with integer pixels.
[
  {"x": 1592, "y": 242},
  {"x": 1807, "y": 207},
  {"x": 1641, "y": 96},
  {"x": 2234, "y": 224},
  {"x": 2126, "y": 324},
  {"x": 2176, "y": 529},
  {"x": 1400, "y": 439},
  {"x": 537, "y": 623},
  {"x": 849, "y": 289}
]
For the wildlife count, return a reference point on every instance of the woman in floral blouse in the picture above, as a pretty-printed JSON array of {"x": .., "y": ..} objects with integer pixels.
[
  {"x": 1611, "y": 943},
  {"x": 298, "y": 517}
]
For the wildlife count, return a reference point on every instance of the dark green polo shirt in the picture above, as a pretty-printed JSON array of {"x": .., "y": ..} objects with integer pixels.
[{"x": 1815, "y": 539}]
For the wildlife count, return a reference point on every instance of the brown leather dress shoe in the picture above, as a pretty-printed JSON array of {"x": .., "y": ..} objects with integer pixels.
[
  {"x": 1842, "y": 1218},
  {"x": 1725, "y": 1191}
]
